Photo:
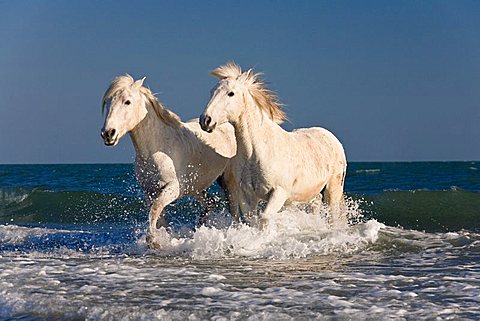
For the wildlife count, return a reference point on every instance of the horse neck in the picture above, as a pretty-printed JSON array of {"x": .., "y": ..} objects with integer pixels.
[
  {"x": 148, "y": 137},
  {"x": 251, "y": 129}
]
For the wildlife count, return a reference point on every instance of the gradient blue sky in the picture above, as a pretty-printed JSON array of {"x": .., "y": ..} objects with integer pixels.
[{"x": 394, "y": 80}]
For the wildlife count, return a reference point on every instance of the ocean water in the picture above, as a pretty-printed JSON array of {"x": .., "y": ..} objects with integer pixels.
[{"x": 72, "y": 247}]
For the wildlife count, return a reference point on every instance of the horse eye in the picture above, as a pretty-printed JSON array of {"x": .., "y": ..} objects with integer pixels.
[
  {"x": 127, "y": 102},
  {"x": 230, "y": 94}
]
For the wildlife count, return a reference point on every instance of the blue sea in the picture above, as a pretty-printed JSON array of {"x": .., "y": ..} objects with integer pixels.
[{"x": 72, "y": 247}]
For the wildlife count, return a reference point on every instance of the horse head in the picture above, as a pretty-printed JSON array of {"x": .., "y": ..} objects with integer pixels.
[
  {"x": 226, "y": 99},
  {"x": 234, "y": 90},
  {"x": 125, "y": 105}
]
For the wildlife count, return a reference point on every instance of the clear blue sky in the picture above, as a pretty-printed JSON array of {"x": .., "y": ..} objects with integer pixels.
[{"x": 394, "y": 80}]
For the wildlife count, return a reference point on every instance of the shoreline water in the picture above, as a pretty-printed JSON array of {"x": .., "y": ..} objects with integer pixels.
[{"x": 72, "y": 246}]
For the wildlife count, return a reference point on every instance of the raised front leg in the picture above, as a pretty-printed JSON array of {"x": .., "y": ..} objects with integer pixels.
[
  {"x": 167, "y": 194},
  {"x": 275, "y": 202}
]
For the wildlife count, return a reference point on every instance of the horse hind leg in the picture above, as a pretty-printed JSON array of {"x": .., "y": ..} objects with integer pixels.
[
  {"x": 333, "y": 195},
  {"x": 208, "y": 205},
  {"x": 168, "y": 194}
]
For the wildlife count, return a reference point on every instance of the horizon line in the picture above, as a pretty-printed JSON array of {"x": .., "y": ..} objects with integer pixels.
[{"x": 352, "y": 161}]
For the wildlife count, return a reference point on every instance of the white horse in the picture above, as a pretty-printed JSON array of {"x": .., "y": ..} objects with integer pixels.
[
  {"x": 272, "y": 164},
  {"x": 174, "y": 159}
]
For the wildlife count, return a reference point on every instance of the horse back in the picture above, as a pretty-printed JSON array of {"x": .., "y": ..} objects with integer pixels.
[{"x": 319, "y": 141}]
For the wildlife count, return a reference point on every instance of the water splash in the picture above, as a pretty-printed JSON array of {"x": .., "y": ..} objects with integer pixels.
[{"x": 292, "y": 233}]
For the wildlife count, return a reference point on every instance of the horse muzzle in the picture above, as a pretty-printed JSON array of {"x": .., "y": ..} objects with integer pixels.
[
  {"x": 206, "y": 123},
  {"x": 109, "y": 137}
]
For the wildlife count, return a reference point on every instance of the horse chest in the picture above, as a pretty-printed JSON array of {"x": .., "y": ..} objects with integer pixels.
[{"x": 253, "y": 180}]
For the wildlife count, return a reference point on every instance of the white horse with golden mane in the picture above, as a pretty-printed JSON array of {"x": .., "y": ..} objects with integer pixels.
[
  {"x": 173, "y": 158},
  {"x": 272, "y": 164}
]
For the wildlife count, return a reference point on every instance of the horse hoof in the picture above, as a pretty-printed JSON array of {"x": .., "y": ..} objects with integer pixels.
[
  {"x": 202, "y": 221},
  {"x": 158, "y": 238},
  {"x": 262, "y": 224},
  {"x": 152, "y": 242},
  {"x": 154, "y": 245}
]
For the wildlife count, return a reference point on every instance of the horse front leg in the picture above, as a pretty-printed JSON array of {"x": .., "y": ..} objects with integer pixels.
[
  {"x": 208, "y": 205},
  {"x": 167, "y": 194},
  {"x": 233, "y": 203},
  {"x": 230, "y": 187},
  {"x": 275, "y": 202},
  {"x": 248, "y": 206}
]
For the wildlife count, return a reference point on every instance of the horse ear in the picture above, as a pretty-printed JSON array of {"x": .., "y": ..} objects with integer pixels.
[{"x": 137, "y": 84}]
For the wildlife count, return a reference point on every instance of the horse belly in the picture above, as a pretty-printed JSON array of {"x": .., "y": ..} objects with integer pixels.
[
  {"x": 306, "y": 194},
  {"x": 199, "y": 177}
]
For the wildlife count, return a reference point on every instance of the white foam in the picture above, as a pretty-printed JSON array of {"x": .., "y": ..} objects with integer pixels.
[
  {"x": 216, "y": 277},
  {"x": 292, "y": 233},
  {"x": 70, "y": 284},
  {"x": 13, "y": 196},
  {"x": 13, "y": 234},
  {"x": 211, "y": 291},
  {"x": 368, "y": 171}
]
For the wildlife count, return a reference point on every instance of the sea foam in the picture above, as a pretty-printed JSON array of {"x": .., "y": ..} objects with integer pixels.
[{"x": 291, "y": 233}]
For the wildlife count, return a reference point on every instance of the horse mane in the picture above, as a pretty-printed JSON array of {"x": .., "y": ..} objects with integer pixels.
[
  {"x": 168, "y": 116},
  {"x": 265, "y": 98},
  {"x": 120, "y": 83},
  {"x": 229, "y": 70}
]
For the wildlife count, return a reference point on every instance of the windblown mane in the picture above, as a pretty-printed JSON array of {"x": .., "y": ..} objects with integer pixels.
[
  {"x": 265, "y": 98},
  {"x": 168, "y": 117},
  {"x": 229, "y": 70},
  {"x": 120, "y": 83}
]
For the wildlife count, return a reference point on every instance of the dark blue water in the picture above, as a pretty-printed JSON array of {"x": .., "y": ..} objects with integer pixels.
[
  {"x": 72, "y": 246},
  {"x": 438, "y": 196}
]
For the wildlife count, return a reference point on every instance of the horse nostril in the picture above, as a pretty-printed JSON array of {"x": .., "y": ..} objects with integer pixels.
[
  {"x": 208, "y": 120},
  {"x": 108, "y": 133}
]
